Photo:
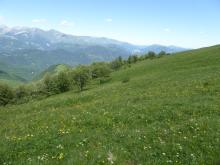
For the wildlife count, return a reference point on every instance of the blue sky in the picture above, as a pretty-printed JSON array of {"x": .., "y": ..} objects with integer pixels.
[{"x": 186, "y": 23}]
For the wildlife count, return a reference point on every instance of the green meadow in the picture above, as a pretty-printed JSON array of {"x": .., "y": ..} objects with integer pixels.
[{"x": 159, "y": 111}]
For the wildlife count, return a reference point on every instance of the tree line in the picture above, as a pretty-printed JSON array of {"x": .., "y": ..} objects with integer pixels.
[{"x": 76, "y": 78}]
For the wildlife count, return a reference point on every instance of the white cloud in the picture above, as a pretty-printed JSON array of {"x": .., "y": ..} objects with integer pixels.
[
  {"x": 108, "y": 20},
  {"x": 167, "y": 30},
  {"x": 67, "y": 23},
  {"x": 39, "y": 20}
]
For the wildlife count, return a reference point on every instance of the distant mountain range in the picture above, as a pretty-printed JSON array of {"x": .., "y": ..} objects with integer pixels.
[{"x": 31, "y": 50}]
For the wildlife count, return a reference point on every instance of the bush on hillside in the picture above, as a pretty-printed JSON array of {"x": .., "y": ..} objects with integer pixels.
[
  {"x": 125, "y": 80},
  {"x": 6, "y": 94},
  {"x": 104, "y": 80},
  {"x": 132, "y": 59},
  {"x": 99, "y": 70},
  {"x": 80, "y": 76},
  {"x": 49, "y": 85},
  {"x": 151, "y": 54},
  {"x": 21, "y": 92},
  {"x": 62, "y": 82},
  {"x": 116, "y": 64},
  {"x": 141, "y": 58},
  {"x": 161, "y": 54}
]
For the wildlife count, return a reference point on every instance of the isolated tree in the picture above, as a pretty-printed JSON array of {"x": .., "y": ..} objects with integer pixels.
[
  {"x": 80, "y": 76},
  {"x": 6, "y": 94}
]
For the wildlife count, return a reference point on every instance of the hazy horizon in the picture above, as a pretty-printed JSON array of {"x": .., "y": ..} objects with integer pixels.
[
  {"x": 186, "y": 24},
  {"x": 14, "y": 27}
]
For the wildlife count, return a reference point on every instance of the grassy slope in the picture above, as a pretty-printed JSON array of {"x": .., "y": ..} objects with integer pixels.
[
  {"x": 13, "y": 73},
  {"x": 10, "y": 79},
  {"x": 12, "y": 83},
  {"x": 169, "y": 112}
]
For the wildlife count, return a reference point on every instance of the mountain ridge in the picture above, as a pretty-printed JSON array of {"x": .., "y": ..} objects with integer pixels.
[
  {"x": 31, "y": 50},
  {"x": 54, "y": 36}
]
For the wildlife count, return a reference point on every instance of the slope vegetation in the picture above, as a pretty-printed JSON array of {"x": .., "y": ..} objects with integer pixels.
[
  {"x": 10, "y": 79},
  {"x": 167, "y": 113},
  {"x": 53, "y": 70}
]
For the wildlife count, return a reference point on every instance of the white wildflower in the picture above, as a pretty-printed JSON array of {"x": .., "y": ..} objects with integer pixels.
[
  {"x": 111, "y": 158},
  {"x": 60, "y": 146}
]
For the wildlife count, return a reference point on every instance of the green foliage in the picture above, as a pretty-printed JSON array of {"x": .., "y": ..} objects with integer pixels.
[
  {"x": 63, "y": 82},
  {"x": 162, "y": 53},
  {"x": 116, "y": 64},
  {"x": 104, "y": 80},
  {"x": 21, "y": 92},
  {"x": 80, "y": 76},
  {"x": 36, "y": 91},
  {"x": 151, "y": 55},
  {"x": 132, "y": 59},
  {"x": 53, "y": 70},
  {"x": 56, "y": 84},
  {"x": 125, "y": 80},
  {"x": 50, "y": 85},
  {"x": 6, "y": 94},
  {"x": 100, "y": 69},
  {"x": 10, "y": 78},
  {"x": 141, "y": 58}
]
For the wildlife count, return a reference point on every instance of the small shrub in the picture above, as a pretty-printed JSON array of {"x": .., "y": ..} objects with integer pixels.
[
  {"x": 132, "y": 59},
  {"x": 161, "y": 54},
  {"x": 21, "y": 92},
  {"x": 104, "y": 80},
  {"x": 49, "y": 85},
  {"x": 100, "y": 69},
  {"x": 151, "y": 55},
  {"x": 6, "y": 94},
  {"x": 205, "y": 84},
  {"x": 80, "y": 76},
  {"x": 62, "y": 82},
  {"x": 116, "y": 64},
  {"x": 125, "y": 80},
  {"x": 37, "y": 90}
]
